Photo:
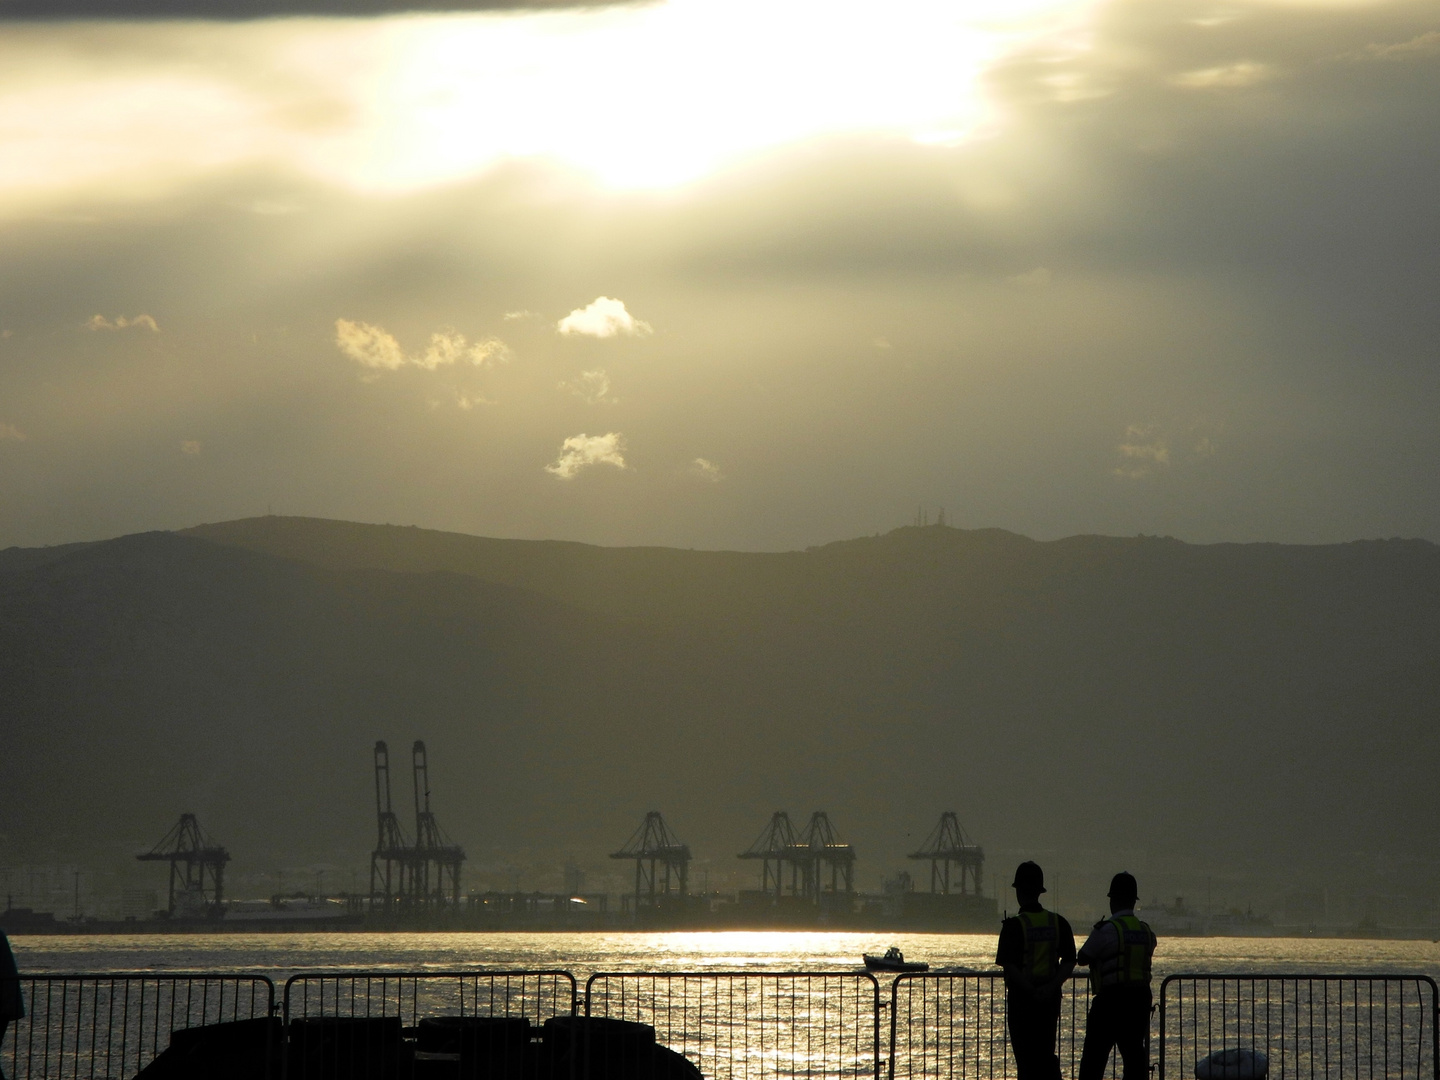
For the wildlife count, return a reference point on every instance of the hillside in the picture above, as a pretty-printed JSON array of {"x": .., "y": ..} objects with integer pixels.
[{"x": 1099, "y": 699}]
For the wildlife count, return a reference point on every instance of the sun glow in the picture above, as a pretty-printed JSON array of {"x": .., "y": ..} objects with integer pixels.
[{"x": 636, "y": 96}]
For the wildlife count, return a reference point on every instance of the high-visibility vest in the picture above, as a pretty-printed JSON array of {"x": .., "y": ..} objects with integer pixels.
[
  {"x": 1130, "y": 966},
  {"x": 1042, "y": 943}
]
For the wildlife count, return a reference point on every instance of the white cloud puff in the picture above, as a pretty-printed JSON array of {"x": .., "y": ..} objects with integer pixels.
[
  {"x": 373, "y": 347},
  {"x": 139, "y": 322},
  {"x": 190, "y": 448},
  {"x": 448, "y": 347},
  {"x": 593, "y": 386},
  {"x": 1142, "y": 452},
  {"x": 11, "y": 433},
  {"x": 706, "y": 470},
  {"x": 369, "y": 346},
  {"x": 603, "y": 318},
  {"x": 581, "y": 451}
]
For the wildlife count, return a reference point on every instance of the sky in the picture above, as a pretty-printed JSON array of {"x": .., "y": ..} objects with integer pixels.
[{"x": 751, "y": 274}]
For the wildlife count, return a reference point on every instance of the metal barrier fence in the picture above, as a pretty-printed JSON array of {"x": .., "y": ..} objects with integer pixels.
[
  {"x": 403, "y": 1024},
  {"x": 752, "y": 1025},
  {"x": 731, "y": 1025},
  {"x": 81, "y": 1026},
  {"x": 952, "y": 1025},
  {"x": 1355, "y": 1026},
  {"x": 412, "y": 995}
]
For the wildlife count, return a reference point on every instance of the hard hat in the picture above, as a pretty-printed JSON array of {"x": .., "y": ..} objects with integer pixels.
[
  {"x": 1030, "y": 877},
  {"x": 1123, "y": 885}
]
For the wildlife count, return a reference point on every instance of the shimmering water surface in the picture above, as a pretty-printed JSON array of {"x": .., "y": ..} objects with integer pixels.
[
  {"x": 281, "y": 955},
  {"x": 759, "y": 1027}
]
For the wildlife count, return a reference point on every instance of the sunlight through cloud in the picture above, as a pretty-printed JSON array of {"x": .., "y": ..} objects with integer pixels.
[{"x": 635, "y": 96}]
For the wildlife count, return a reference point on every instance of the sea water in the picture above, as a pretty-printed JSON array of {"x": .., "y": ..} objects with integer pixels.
[
  {"x": 766, "y": 1028},
  {"x": 282, "y": 955}
]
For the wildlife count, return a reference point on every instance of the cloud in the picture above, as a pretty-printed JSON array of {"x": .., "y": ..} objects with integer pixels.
[
  {"x": 593, "y": 386},
  {"x": 604, "y": 318},
  {"x": 1203, "y": 432},
  {"x": 512, "y": 316},
  {"x": 233, "y": 10},
  {"x": 581, "y": 451},
  {"x": 139, "y": 322},
  {"x": 190, "y": 448},
  {"x": 271, "y": 208},
  {"x": 707, "y": 470},
  {"x": 1142, "y": 452},
  {"x": 1228, "y": 76},
  {"x": 373, "y": 347},
  {"x": 369, "y": 346},
  {"x": 11, "y": 433},
  {"x": 448, "y": 347},
  {"x": 1031, "y": 279},
  {"x": 1426, "y": 44}
]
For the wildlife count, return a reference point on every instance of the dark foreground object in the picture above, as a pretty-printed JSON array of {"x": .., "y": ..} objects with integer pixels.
[
  {"x": 238, "y": 1050},
  {"x": 1237, "y": 1064},
  {"x": 448, "y": 1047}
]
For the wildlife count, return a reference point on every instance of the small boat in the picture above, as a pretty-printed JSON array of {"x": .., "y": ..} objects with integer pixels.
[{"x": 893, "y": 960}]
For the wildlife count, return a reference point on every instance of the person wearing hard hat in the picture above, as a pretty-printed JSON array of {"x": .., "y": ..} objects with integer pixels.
[
  {"x": 1118, "y": 954},
  {"x": 1037, "y": 951}
]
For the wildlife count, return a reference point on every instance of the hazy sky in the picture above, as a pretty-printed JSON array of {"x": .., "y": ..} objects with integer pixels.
[{"x": 740, "y": 273}]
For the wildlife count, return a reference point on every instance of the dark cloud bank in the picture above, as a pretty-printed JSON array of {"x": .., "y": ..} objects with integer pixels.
[
  {"x": 232, "y": 10},
  {"x": 1237, "y": 262}
]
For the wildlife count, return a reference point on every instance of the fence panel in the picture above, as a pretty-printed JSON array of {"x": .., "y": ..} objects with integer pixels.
[
  {"x": 413, "y": 995},
  {"x": 1347, "y": 1026},
  {"x": 403, "y": 1024},
  {"x": 85, "y": 1027},
  {"x": 753, "y": 1025},
  {"x": 946, "y": 1025}
]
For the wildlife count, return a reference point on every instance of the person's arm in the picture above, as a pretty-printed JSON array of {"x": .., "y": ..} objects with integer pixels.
[
  {"x": 1018, "y": 979},
  {"x": 1052, "y": 988},
  {"x": 1009, "y": 955},
  {"x": 1099, "y": 945},
  {"x": 1065, "y": 952}
]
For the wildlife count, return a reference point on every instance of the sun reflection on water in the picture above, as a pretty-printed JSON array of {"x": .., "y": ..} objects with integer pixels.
[{"x": 279, "y": 954}]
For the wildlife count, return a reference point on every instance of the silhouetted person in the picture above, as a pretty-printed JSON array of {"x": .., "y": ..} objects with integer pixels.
[
  {"x": 1118, "y": 954},
  {"x": 12, "y": 1003},
  {"x": 1037, "y": 951}
]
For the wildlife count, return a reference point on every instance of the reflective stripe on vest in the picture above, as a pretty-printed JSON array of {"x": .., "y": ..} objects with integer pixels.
[
  {"x": 1042, "y": 938},
  {"x": 1130, "y": 966}
]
